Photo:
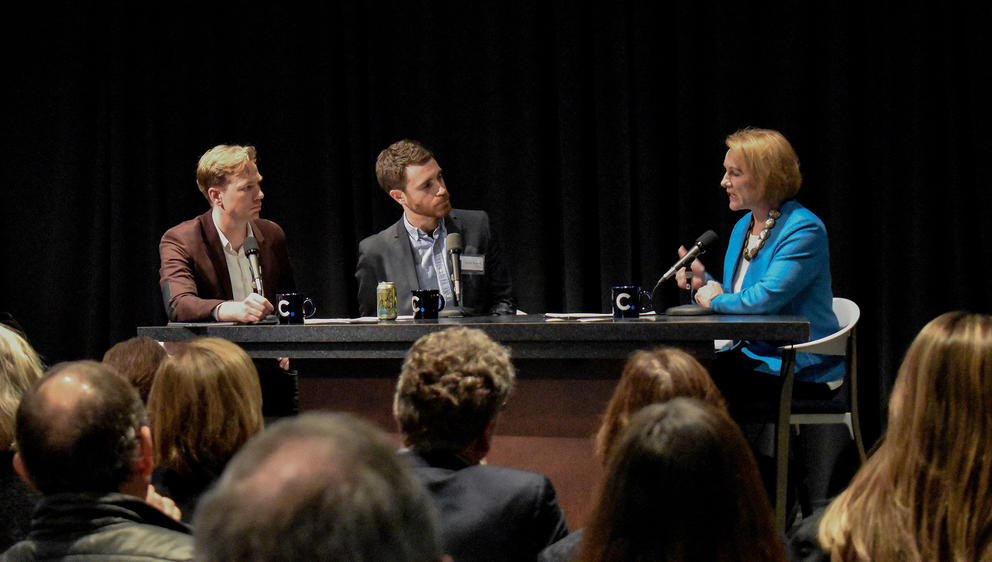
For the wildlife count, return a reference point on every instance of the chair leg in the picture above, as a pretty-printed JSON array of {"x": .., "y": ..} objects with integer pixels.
[
  {"x": 782, "y": 441},
  {"x": 856, "y": 430},
  {"x": 798, "y": 474}
]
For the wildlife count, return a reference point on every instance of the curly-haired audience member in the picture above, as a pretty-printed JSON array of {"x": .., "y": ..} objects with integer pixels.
[
  {"x": 926, "y": 493},
  {"x": 681, "y": 484},
  {"x": 137, "y": 359},
  {"x": 20, "y": 367},
  {"x": 204, "y": 405},
  {"x": 317, "y": 487},
  {"x": 451, "y": 389}
]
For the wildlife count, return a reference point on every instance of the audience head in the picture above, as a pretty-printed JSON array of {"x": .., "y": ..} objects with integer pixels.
[
  {"x": 926, "y": 493},
  {"x": 317, "y": 487},
  {"x": 220, "y": 163},
  {"x": 20, "y": 367},
  {"x": 205, "y": 403},
  {"x": 681, "y": 484},
  {"x": 771, "y": 159},
  {"x": 137, "y": 359},
  {"x": 452, "y": 386},
  {"x": 653, "y": 376},
  {"x": 390, "y": 166},
  {"x": 82, "y": 428}
]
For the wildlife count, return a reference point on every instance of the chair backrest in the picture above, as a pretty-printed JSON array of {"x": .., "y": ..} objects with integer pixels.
[{"x": 847, "y": 313}]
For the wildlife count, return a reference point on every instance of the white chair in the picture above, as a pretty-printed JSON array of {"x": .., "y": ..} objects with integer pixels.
[{"x": 842, "y": 409}]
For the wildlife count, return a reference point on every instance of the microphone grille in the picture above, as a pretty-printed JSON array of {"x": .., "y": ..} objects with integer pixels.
[
  {"x": 250, "y": 245},
  {"x": 454, "y": 242},
  {"x": 707, "y": 238}
]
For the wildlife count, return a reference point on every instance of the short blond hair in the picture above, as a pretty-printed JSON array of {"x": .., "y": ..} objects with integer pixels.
[
  {"x": 452, "y": 384},
  {"x": 205, "y": 403},
  {"x": 20, "y": 367},
  {"x": 771, "y": 159},
  {"x": 390, "y": 166},
  {"x": 221, "y": 162}
]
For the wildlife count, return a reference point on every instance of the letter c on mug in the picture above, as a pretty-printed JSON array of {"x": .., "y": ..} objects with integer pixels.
[
  {"x": 282, "y": 307},
  {"x": 625, "y": 304}
]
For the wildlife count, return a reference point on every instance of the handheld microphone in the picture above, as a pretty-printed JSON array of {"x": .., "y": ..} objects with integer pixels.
[
  {"x": 698, "y": 249},
  {"x": 454, "y": 242},
  {"x": 251, "y": 251}
]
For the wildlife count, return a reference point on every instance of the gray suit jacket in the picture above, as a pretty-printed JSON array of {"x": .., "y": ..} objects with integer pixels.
[{"x": 387, "y": 256}]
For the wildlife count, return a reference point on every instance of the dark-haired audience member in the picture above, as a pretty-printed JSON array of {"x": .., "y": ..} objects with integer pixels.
[
  {"x": 451, "y": 388},
  {"x": 83, "y": 441},
  {"x": 205, "y": 404},
  {"x": 137, "y": 359},
  {"x": 317, "y": 487},
  {"x": 657, "y": 375},
  {"x": 20, "y": 367},
  {"x": 681, "y": 484},
  {"x": 926, "y": 493}
]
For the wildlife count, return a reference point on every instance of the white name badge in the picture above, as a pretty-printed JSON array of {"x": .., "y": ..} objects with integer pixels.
[{"x": 473, "y": 265}]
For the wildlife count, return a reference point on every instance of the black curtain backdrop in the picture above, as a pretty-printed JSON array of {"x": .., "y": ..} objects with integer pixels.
[{"x": 593, "y": 137}]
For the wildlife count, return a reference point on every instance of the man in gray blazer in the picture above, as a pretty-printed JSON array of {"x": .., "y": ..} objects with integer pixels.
[{"x": 413, "y": 253}]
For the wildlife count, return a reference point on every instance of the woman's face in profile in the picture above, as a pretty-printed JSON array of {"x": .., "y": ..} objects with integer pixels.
[{"x": 739, "y": 182}]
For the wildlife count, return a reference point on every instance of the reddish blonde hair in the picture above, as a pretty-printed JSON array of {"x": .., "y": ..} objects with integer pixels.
[
  {"x": 205, "y": 403},
  {"x": 771, "y": 159},
  {"x": 653, "y": 376}
]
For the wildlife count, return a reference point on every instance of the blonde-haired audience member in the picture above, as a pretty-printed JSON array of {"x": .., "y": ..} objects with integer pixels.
[
  {"x": 20, "y": 367},
  {"x": 205, "y": 403},
  {"x": 926, "y": 493}
]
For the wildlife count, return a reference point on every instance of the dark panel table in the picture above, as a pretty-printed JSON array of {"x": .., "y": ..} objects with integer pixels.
[
  {"x": 566, "y": 373},
  {"x": 528, "y": 336}
]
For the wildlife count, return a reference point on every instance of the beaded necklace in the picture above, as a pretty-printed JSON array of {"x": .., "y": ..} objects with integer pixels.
[{"x": 749, "y": 253}]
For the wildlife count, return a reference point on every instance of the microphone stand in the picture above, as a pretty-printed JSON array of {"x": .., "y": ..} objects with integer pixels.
[
  {"x": 691, "y": 309},
  {"x": 251, "y": 252}
]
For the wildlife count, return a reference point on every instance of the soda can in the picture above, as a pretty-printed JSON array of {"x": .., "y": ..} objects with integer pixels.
[{"x": 385, "y": 300}]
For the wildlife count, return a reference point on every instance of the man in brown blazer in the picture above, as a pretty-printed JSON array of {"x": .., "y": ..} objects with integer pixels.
[{"x": 205, "y": 273}]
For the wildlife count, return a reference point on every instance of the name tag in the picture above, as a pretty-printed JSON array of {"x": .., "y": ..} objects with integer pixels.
[{"x": 473, "y": 265}]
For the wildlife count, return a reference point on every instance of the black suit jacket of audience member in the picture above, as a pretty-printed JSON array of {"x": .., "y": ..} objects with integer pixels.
[{"x": 489, "y": 513}]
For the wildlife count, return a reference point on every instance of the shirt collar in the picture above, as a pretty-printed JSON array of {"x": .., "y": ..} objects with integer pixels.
[
  {"x": 417, "y": 234},
  {"x": 227, "y": 243}
]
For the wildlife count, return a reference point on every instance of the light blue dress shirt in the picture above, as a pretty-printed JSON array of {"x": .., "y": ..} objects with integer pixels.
[{"x": 430, "y": 252}]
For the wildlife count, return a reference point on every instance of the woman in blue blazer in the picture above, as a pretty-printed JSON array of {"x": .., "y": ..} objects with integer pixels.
[{"x": 778, "y": 259}]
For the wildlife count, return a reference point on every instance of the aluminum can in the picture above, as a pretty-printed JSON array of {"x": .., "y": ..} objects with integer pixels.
[{"x": 385, "y": 300}]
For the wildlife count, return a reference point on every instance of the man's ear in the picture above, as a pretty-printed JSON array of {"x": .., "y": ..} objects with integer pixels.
[
  {"x": 146, "y": 461},
  {"x": 23, "y": 472},
  {"x": 214, "y": 195},
  {"x": 398, "y": 196}
]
